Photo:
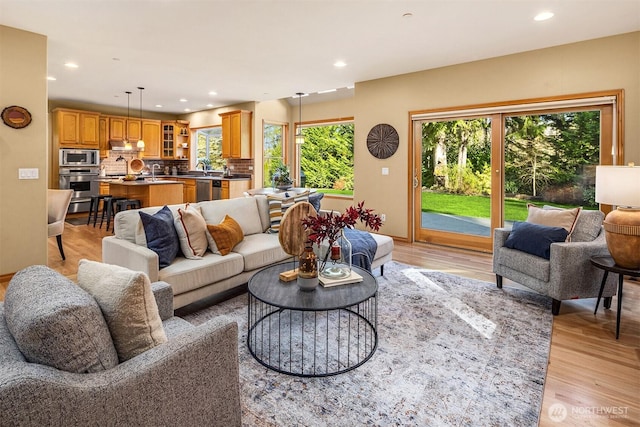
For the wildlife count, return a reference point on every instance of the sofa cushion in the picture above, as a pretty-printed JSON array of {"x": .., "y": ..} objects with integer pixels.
[
  {"x": 278, "y": 205},
  {"x": 243, "y": 209},
  {"x": 260, "y": 250},
  {"x": 185, "y": 275},
  {"x": 535, "y": 239},
  {"x": 128, "y": 305},
  {"x": 315, "y": 200},
  {"x": 565, "y": 218},
  {"x": 56, "y": 323},
  {"x": 160, "y": 234},
  {"x": 192, "y": 232},
  {"x": 226, "y": 235}
]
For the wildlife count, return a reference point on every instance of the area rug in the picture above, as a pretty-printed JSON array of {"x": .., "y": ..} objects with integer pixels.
[{"x": 451, "y": 352}]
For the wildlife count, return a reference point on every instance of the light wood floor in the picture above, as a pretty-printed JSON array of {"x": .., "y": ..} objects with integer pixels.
[{"x": 590, "y": 372}]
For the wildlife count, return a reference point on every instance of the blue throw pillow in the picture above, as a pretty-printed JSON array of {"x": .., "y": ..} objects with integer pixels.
[
  {"x": 535, "y": 239},
  {"x": 314, "y": 199},
  {"x": 161, "y": 235}
]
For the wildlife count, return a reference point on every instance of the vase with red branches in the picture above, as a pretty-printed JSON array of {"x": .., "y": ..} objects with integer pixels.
[{"x": 327, "y": 229}]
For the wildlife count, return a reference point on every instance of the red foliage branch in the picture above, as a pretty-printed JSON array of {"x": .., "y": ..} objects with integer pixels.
[{"x": 328, "y": 227}]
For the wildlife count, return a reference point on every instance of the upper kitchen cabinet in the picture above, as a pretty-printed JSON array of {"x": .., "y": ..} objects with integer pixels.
[
  {"x": 117, "y": 128},
  {"x": 103, "y": 136},
  {"x": 151, "y": 134},
  {"x": 236, "y": 134},
  {"x": 134, "y": 130},
  {"x": 175, "y": 140},
  {"x": 76, "y": 129}
]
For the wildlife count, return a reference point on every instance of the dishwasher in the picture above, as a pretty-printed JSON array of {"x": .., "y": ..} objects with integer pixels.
[
  {"x": 216, "y": 189},
  {"x": 203, "y": 190}
]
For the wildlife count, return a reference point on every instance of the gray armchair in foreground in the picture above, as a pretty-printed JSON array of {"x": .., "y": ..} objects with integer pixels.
[
  {"x": 568, "y": 273},
  {"x": 190, "y": 380}
]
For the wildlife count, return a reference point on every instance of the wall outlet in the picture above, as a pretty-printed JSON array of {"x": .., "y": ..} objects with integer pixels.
[
  {"x": 383, "y": 217},
  {"x": 250, "y": 168},
  {"x": 232, "y": 167}
]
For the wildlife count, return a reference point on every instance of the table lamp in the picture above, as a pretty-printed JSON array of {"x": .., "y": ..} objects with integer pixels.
[{"x": 620, "y": 186}]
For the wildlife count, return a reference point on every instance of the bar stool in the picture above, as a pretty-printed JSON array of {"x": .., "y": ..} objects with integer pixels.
[
  {"x": 94, "y": 207},
  {"x": 109, "y": 209},
  {"x": 123, "y": 205}
]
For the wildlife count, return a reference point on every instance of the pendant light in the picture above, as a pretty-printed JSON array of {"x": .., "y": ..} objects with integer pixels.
[
  {"x": 127, "y": 144},
  {"x": 299, "y": 137},
  {"x": 140, "y": 144}
]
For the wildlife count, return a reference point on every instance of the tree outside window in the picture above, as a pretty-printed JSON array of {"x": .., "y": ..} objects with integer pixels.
[
  {"x": 209, "y": 148},
  {"x": 326, "y": 157},
  {"x": 273, "y": 150}
]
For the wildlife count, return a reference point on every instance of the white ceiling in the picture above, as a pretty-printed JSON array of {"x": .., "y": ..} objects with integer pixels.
[{"x": 257, "y": 50}]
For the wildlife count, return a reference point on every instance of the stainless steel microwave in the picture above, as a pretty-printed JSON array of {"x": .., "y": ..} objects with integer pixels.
[{"x": 77, "y": 157}]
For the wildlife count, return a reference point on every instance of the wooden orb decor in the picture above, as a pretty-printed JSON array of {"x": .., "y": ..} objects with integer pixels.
[
  {"x": 292, "y": 234},
  {"x": 383, "y": 141},
  {"x": 16, "y": 117}
]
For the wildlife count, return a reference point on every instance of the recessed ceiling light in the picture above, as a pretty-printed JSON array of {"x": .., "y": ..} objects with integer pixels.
[
  {"x": 158, "y": 105},
  {"x": 51, "y": 78},
  {"x": 115, "y": 59},
  {"x": 187, "y": 109},
  {"x": 340, "y": 64},
  {"x": 213, "y": 93},
  {"x": 183, "y": 100},
  {"x": 407, "y": 15},
  {"x": 209, "y": 105},
  {"x": 543, "y": 16},
  {"x": 71, "y": 65}
]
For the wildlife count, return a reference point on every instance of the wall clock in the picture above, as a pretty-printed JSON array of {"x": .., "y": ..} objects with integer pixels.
[
  {"x": 16, "y": 117},
  {"x": 382, "y": 141}
]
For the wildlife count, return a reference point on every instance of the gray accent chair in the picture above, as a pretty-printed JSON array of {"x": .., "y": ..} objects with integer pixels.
[
  {"x": 568, "y": 274},
  {"x": 192, "y": 379}
]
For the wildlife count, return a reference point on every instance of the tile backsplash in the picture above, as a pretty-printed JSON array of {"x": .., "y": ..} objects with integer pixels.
[{"x": 112, "y": 166}]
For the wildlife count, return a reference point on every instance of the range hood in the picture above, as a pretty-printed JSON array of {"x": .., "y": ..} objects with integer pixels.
[{"x": 117, "y": 145}]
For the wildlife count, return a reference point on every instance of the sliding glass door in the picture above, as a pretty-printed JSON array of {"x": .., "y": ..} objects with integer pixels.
[{"x": 475, "y": 172}]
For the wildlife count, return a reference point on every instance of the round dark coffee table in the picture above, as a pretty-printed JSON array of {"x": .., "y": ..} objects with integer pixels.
[{"x": 327, "y": 331}]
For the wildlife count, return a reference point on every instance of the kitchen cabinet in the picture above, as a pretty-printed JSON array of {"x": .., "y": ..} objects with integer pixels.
[
  {"x": 117, "y": 128},
  {"x": 76, "y": 129},
  {"x": 188, "y": 189},
  {"x": 151, "y": 134},
  {"x": 175, "y": 140},
  {"x": 236, "y": 134},
  {"x": 134, "y": 130},
  {"x": 103, "y": 136},
  {"x": 231, "y": 189}
]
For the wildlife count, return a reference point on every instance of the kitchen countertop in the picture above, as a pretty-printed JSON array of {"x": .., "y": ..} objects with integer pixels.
[
  {"x": 164, "y": 177},
  {"x": 143, "y": 182}
]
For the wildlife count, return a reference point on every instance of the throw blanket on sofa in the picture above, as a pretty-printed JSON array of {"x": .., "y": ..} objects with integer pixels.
[{"x": 363, "y": 247}]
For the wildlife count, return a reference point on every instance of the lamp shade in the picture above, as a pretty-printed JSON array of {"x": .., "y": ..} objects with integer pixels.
[{"x": 618, "y": 185}]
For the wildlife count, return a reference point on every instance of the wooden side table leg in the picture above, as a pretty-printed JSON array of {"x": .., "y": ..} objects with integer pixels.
[
  {"x": 620, "y": 282},
  {"x": 604, "y": 280}
]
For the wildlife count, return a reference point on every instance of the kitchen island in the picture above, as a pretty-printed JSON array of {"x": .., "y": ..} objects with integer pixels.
[{"x": 150, "y": 193}]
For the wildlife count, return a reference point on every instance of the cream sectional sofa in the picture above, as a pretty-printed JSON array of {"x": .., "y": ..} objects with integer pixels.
[{"x": 195, "y": 279}]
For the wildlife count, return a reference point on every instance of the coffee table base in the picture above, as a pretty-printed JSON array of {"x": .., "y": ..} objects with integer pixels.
[{"x": 312, "y": 343}]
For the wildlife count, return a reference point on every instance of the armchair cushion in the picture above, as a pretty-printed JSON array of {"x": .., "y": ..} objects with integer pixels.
[
  {"x": 565, "y": 218},
  {"x": 56, "y": 323},
  {"x": 161, "y": 235},
  {"x": 535, "y": 239},
  {"x": 128, "y": 305}
]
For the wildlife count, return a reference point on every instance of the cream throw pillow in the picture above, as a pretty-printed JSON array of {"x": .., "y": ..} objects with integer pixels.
[
  {"x": 128, "y": 306},
  {"x": 565, "y": 218},
  {"x": 192, "y": 232}
]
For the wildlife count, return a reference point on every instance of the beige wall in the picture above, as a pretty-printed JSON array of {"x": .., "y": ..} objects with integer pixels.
[
  {"x": 23, "y": 207},
  {"x": 602, "y": 64}
]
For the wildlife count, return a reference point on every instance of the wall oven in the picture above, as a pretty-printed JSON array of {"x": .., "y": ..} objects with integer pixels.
[
  {"x": 79, "y": 180},
  {"x": 76, "y": 157}
]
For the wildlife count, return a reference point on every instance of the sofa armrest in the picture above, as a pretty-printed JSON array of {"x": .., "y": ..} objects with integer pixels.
[
  {"x": 192, "y": 379},
  {"x": 134, "y": 257},
  {"x": 163, "y": 293}
]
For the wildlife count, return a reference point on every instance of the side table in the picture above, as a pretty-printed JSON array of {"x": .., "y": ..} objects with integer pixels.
[{"x": 607, "y": 264}]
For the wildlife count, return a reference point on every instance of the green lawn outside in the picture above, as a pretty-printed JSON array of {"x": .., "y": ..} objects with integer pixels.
[
  {"x": 332, "y": 191},
  {"x": 477, "y": 206}
]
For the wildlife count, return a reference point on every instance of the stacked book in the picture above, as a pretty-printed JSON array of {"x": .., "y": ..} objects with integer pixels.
[{"x": 352, "y": 278}]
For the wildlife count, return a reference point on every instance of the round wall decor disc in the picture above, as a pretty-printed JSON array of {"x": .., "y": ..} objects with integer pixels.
[
  {"x": 383, "y": 141},
  {"x": 16, "y": 117}
]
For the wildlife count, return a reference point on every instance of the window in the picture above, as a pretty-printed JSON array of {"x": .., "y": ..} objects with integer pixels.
[
  {"x": 209, "y": 147},
  {"x": 326, "y": 157},
  {"x": 273, "y": 150}
]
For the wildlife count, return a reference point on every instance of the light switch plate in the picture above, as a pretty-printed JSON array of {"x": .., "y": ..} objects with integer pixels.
[
  {"x": 385, "y": 171},
  {"x": 28, "y": 173}
]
